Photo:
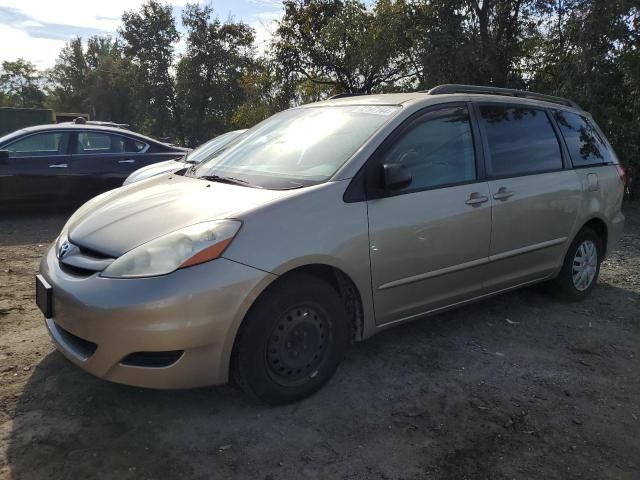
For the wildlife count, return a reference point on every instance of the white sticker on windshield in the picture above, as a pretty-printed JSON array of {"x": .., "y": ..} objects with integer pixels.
[{"x": 376, "y": 109}]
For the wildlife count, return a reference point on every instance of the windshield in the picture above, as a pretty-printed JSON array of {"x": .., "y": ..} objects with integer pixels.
[
  {"x": 210, "y": 148},
  {"x": 297, "y": 147}
]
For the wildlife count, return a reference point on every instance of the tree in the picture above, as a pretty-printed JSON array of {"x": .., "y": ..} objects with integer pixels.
[
  {"x": 209, "y": 74},
  {"x": 265, "y": 93},
  {"x": 149, "y": 35},
  {"x": 96, "y": 80},
  {"x": 110, "y": 80},
  {"x": 68, "y": 78},
  {"x": 592, "y": 56},
  {"x": 20, "y": 84},
  {"x": 342, "y": 43},
  {"x": 440, "y": 50}
]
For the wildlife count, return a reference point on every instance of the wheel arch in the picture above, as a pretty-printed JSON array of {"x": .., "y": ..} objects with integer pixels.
[
  {"x": 599, "y": 226},
  {"x": 334, "y": 276}
]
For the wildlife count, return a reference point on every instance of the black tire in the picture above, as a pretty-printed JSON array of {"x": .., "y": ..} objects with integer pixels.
[
  {"x": 564, "y": 285},
  {"x": 291, "y": 341}
]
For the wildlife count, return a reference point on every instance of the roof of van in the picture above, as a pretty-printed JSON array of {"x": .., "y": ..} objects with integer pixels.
[{"x": 450, "y": 93}]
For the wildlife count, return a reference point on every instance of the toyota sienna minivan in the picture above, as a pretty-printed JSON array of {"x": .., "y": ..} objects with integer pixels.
[{"x": 325, "y": 224}]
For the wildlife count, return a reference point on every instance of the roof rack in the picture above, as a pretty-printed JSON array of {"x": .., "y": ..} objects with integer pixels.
[
  {"x": 344, "y": 95},
  {"x": 511, "y": 92}
]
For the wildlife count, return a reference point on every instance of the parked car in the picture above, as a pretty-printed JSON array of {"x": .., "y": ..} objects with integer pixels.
[
  {"x": 198, "y": 155},
  {"x": 329, "y": 223},
  {"x": 68, "y": 163}
]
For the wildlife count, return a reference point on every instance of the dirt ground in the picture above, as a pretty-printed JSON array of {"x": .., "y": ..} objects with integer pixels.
[{"x": 519, "y": 386}]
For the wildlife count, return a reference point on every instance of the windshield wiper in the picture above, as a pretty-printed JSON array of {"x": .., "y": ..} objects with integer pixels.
[{"x": 231, "y": 180}]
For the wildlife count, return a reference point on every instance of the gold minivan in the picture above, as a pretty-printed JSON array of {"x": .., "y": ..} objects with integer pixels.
[{"x": 328, "y": 223}]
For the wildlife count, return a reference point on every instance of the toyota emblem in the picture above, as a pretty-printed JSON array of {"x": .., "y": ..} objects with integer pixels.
[{"x": 64, "y": 249}]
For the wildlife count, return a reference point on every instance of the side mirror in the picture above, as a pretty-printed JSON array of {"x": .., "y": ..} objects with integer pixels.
[
  {"x": 4, "y": 156},
  {"x": 395, "y": 176}
]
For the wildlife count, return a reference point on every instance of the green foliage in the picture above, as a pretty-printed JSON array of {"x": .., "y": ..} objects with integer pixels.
[
  {"x": 96, "y": 80},
  {"x": 209, "y": 74},
  {"x": 263, "y": 94},
  {"x": 149, "y": 36},
  {"x": 342, "y": 43},
  {"x": 20, "y": 85}
]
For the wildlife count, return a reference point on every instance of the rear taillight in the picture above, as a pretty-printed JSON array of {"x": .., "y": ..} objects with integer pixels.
[{"x": 622, "y": 174}]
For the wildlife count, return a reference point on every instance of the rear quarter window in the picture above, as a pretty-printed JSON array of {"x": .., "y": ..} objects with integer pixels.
[
  {"x": 585, "y": 145},
  {"x": 135, "y": 146}
]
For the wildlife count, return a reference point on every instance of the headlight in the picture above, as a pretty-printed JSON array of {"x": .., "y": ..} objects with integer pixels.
[{"x": 190, "y": 246}]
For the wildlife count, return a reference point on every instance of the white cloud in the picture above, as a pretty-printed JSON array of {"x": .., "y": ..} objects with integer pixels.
[
  {"x": 15, "y": 43},
  {"x": 30, "y": 33},
  {"x": 38, "y": 29},
  {"x": 265, "y": 25},
  {"x": 101, "y": 15}
]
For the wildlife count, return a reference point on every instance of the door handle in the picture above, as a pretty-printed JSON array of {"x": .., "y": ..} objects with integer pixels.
[
  {"x": 127, "y": 161},
  {"x": 58, "y": 165},
  {"x": 476, "y": 199},
  {"x": 503, "y": 194}
]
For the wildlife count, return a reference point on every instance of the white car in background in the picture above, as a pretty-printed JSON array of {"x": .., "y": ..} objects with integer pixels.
[{"x": 203, "y": 152}]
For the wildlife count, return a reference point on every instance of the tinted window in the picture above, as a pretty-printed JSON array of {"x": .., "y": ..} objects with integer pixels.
[
  {"x": 521, "y": 140},
  {"x": 134, "y": 146},
  {"x": 438, "y": 150},
  {"x": 585, "y": 145},
  {"x": 92, "y": 142},
  {"x": 97, "y": 142},
  {"x": 40, "y": 144}
]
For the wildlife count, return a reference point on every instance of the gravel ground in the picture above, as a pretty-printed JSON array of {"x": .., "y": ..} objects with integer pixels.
[{"x": 519, "y": 386}]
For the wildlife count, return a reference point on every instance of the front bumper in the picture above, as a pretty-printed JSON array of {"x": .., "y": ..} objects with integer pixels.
[{"x": 196, "y": 310}]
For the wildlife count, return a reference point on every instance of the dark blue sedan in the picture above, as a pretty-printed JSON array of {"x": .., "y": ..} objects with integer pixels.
[{"x": 68, "y": 163}]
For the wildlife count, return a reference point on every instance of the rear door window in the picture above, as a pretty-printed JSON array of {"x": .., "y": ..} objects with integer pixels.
[
  {"x": 93, "y": 142},
  {"x": 521, "y": 140},
  {"x": 99, "y": 142},
  {"x": 585, "y": 145}
]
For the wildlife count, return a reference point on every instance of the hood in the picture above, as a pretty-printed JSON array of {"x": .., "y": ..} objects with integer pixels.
[
  {"x": 155, "y": 169},
  {"x": 127, "y": 217}
]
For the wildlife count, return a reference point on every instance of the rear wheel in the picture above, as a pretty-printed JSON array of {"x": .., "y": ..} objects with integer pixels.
[
  {"x": 581, "y": 266},
  {"x": 292, "y": 340}
]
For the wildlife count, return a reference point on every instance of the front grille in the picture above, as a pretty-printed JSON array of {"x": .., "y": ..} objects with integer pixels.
[
  {"x": 77, "y": 271},
  {"x": 82, "y": 261},
  {"x": 152, "y": 359},
  {"x": 83, "y": 347},
  {"x": 88, "y": 252}
]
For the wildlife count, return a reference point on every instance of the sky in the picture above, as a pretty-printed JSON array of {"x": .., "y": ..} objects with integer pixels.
[{"x": 36, "y": 30}]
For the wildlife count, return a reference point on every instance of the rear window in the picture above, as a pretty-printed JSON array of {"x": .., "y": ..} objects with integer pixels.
[
  {"x": 585, "y": 145},
  {"x": 521, "y": 141}
]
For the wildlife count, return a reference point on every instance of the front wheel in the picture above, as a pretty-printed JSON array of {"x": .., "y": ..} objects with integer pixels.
[
  {"x": 292, "y": 340},
  {"x": 581, "y": 266}
]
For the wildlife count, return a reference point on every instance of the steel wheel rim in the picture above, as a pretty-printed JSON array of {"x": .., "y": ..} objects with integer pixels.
[
  {"x": 585, "y": 265},
  {"x": 298, "y": 345}
]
